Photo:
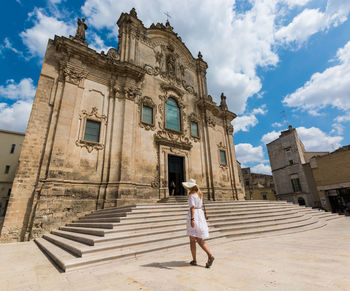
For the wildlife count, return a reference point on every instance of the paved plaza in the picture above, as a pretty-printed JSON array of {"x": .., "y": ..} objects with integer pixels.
[{"x": 310, "y": 260}]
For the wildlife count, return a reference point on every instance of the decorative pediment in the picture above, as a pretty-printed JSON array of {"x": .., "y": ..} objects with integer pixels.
[
  {"x": 168, "y": 87},
  {"x": 173, "y": 140}
]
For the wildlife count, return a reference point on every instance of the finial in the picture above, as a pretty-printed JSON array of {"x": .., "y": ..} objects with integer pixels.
[
  {"x": 223, "y": 103},
  {"x": 133, "y": 12},
  {"x": 200, "y": 56}
]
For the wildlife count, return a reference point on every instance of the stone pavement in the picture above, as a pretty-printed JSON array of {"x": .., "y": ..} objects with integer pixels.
[{"x": 312, "y": 260}]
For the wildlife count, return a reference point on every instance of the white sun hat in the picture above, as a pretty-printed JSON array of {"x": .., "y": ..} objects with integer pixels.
[{"x": 189, "y": 184}]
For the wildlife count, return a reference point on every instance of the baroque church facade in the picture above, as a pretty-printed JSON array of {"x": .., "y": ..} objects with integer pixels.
[{"x": 116, "y": 128}]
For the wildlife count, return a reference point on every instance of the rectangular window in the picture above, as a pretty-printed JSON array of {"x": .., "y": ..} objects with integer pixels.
[
  {"x": 264, "y": 197},
  {"x": 9, "y": 192},
  {"x": 296, "y": 184},
  {"x": 291, "y": 162},
  {"x": 147, "y": 114},
  {"x": 12, "y": 148},
  {"x": 223, "y": 158},
  {"x": 194, "y": 129},
  {"x": 7, "y": 169},
  {"x": 92, "y": 130}
]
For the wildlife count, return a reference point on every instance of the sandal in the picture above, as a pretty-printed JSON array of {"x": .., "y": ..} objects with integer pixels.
[
  {"x": 193, "y": 263},
  {"x": 210, "y": 262}
]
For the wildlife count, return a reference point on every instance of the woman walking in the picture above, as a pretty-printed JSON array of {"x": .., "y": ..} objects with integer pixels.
[{"x": 197, "y": 228}]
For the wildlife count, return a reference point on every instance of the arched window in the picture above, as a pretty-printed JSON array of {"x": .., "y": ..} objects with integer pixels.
[{"x": 172, "y": 115}]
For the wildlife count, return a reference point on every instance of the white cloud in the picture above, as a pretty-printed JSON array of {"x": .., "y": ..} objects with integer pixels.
[
  {"x": 337, "y": 128},
  {"x": 45, "y": 27},
  {"x": 311, "y": 21},
  {"x": 293, "y": 3},
  {"x": 303, "y": 25},
  {"x": 270, "y": 136},
  {"x": 277, "y": 124},
  {"x": 55, "y": 1},
  {"x": 244, "y": 43},
  {"x": 15, "y": 117},
  {"x": 261, "y": 169},
  {"x": 245, "y": 122},
  {"x": 97, "y": 43},
  {"x": 246, "y": 153},
  {"x": 24, "y": 90},
  {"x": 313, "y": 138},
  {"x": 329, "y": 88},
  {"x": 7, "y": 45},
  {"x": 316, "y": 140},
  {"x": 344, "y": 118}
]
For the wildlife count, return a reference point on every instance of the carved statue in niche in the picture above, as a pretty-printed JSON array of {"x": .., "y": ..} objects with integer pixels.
[
  {"x": 81, "y": 29},
  {"x": 170, "y": 62}
]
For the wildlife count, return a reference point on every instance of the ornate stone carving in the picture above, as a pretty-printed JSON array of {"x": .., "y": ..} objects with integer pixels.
[
  {"x": 131, "y": 92},
  {"x": 168, "y": 87},
  {"x": 172, "y": 139},
  {"x": 93, "y": 115},
  {"x": 229, "y": 128},
  {"x": 113, "y": 55},
  {"x": 193, "y": 117},
  {"x": 169, "y": 67},
  {"x": 211, "y": 120},
  {"x": 148, "y": 102},
  {"x": 221, "y": 146},
  {"x": 74, "y": 75}
]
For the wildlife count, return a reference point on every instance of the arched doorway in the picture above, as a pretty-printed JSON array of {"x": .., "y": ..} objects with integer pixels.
[{"x": 301, "y": 201}]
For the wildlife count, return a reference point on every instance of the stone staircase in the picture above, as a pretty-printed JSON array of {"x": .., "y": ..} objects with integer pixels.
[{"x": 114, "y": 233}]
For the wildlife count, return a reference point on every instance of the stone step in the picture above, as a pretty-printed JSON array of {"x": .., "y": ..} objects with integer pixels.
[
  {"x": 170, "y": 219},
  {"x": 174, "y": 210},
  {"x": 115, "y": 233},
  {"x": 55, "y": 253},
  {"x": 89, "y": 229},
  {"x": 166, "y": 216},
  {"x": 93, "y": 259},
  {"x": 209, "y": 204},
  {"x": 73, "y": 247}
]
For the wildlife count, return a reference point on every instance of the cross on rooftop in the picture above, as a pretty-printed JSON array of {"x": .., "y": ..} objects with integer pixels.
[{"x": 167, "y": 16}]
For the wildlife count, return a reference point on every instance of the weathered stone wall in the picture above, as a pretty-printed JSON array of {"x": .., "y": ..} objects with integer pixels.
[{"x": 62, "y": 176}]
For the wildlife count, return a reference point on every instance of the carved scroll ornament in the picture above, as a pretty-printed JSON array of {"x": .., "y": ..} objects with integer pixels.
[{"x": 172, "y": 139}]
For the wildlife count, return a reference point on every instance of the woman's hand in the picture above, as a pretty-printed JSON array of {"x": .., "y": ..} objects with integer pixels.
[{"x": 192, "y": 223}]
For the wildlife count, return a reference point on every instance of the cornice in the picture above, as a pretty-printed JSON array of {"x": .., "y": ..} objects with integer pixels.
[{"x": 89, "y": 57}]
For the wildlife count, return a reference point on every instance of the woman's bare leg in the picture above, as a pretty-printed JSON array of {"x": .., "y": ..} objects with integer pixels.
[
  {"x": 204, "y": 246},
  {"x": 193, "y": 247}
]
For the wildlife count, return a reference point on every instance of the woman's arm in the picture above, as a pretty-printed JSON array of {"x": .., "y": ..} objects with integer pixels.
[{"x": 192, "y": 216}]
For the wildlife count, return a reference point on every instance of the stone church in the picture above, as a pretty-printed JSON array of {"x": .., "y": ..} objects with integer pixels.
[{"x": 116, "y": 128}]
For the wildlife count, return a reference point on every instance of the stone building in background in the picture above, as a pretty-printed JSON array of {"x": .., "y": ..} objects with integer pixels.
[
  {"x": 258, "y": 186},
  {"x": 331, "y": 173},
  {"x": 116, "y": 128},
  {"x": 291, "y": 169},
  {"x": 10, "y": 148}
]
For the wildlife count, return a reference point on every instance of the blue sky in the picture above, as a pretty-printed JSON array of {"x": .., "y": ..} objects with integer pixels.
[{"x": 279, "y": 62}]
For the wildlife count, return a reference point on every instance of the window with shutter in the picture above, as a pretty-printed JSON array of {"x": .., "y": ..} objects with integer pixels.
[
  {"x": 147, "y": 114},
  {"x": 172, "y": 115},
  {"x": 92, "y": 130},
  {"x": 194, "y": 129},
  {"x": 223, "y": 158}
]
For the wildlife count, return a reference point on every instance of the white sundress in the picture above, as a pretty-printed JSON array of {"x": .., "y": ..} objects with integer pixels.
[{"x": 200, "y": 228}]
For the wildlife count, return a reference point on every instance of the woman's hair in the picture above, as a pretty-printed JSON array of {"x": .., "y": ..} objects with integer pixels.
[{"x": 196, "y": 189}]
